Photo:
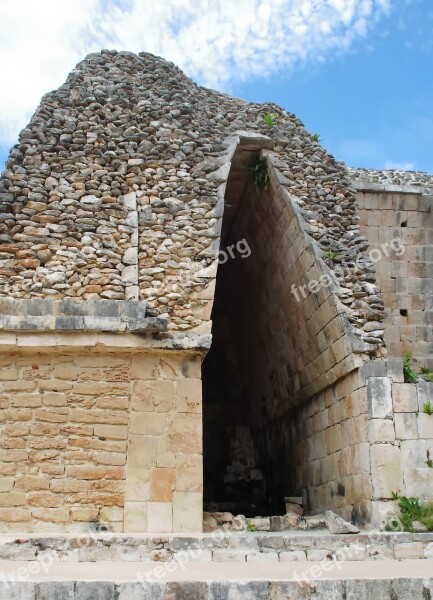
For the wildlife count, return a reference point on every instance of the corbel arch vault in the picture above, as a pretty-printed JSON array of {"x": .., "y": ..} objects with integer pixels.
[
  {"x": 123, "y": 190},
  {"x": 277, "y": 348}
]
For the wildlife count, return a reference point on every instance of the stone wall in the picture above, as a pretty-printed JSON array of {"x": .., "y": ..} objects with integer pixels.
[
  {"x": 116, "y": 193},
  {"x": 267, "y": 587},
  {"x": 318, "y": 546},
  {"x": 329, "y": 440},
  {"x": 404, "y": 268},
  {"x": 361, "y": 441},
  {"x": 395, "y": 209},
  {"x": 115, "y": 190},
  {"x": 401, "y": 437},
  {"x": 94, "y": 430}
]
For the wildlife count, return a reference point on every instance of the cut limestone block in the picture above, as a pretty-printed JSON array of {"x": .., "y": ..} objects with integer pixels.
[
  {"x": 260, "y": 523},
  {"x": 294, "y": 509},
  {"x": 285, "y": 522},
  {"x": 314, "y": 522},
  {"x": 338, "y": 525}
]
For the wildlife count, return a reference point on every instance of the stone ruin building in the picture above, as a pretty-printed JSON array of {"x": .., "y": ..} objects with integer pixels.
[{"x": 179, "y": 335}]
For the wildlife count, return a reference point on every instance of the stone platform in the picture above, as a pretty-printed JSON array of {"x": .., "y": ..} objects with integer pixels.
[
  {"x": 389, "y": 580},
  {"x": 217, "y": 547},
  {"x": 217, "y": 566}
]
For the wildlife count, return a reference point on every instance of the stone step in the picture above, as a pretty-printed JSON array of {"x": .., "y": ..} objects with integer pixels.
[
  {"x": 219, "y": 546},
  {"x": 387, "y": 580}
]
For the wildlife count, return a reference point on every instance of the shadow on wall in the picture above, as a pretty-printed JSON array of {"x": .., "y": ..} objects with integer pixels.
[{"x": 250, "y": 373}]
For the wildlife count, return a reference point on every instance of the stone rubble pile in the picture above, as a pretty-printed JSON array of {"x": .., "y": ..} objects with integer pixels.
[{"x": 293, "y": 521}]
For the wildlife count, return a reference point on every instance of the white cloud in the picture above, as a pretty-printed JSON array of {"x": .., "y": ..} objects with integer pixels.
[
  {"x": 213, "y": 41},
  {"x": 40, "y": 41},
  {"x": 399, "y": 166}
]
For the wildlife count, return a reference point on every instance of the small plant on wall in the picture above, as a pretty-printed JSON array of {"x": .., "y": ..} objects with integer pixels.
[
  {"x": 270, "y": 119},
  {"x": 409, "y": 374},
  {"x": 259, "y": 173},
  {"x": 427, "y": 374},
  {"x": 413, "y": 512},
  {"x": 428, "y": 408},
  {"x": 331, "y": 256}
]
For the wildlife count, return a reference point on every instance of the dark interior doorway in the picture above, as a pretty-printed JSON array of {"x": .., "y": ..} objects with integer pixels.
[{"x": 246, "y": 375}]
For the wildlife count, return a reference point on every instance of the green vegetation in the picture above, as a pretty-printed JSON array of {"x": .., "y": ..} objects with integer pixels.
[
  {"x": 330, "y": 255},
  {"x": 412, "y": 510},
  {"x": 409, "y": 374},
  {"x": 251, "y": 527},
  {"x": 270, "y": 119},
  {"x": 317, "y": 137},
  {"x": 428, "y": 408},
  {"x": 260, "y": 174},
  {"x": 427, "y": 374}
]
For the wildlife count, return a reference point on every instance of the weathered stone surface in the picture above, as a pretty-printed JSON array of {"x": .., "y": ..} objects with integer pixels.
[
  {"x": 260, "y": 523},
  {"x": 386, "y": 471},
  {"x": 368, "y": 590},
  {"x": 292, "y": 508},
  {"x": 338, "y": 525},
  {"x": 84, "y": 226},
  {"x": 95, "y": 590},
  {"x": 280, "y": 523},
  {"x": 209, "y": 522},
  {"x": 294, "y": 500},
  {"x": 139, "y": 591},
  {"x": 381, "y": 430},
  {"x": 55, "y": 590},
  {"x": 312, "y": 522},
  {"x": 125, "y": 209},
  {"x": 419, "y": 527},
  {"x": 18, "y": 590},
  {"x": 257, "y": 590},
  {"x": 379, "y": 397},
  {"x": 407, "y": 588}
]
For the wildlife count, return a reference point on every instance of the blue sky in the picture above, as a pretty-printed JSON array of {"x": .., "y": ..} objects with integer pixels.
[
  {"x": 373, "y": 105},
  {"x": 358, "y": 72}
]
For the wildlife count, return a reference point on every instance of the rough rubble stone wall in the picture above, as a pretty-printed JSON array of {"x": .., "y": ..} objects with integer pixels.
[
  {"x": 388, "y": 181},
  {"x": 112, "y": 191},
  {"x": 100, "y": 437},
  {"x": 404, "y": 270}
]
